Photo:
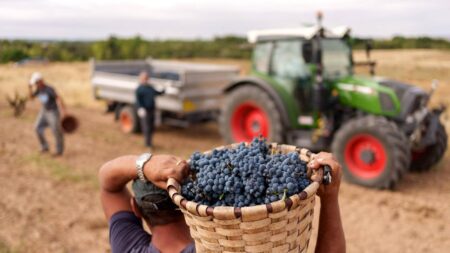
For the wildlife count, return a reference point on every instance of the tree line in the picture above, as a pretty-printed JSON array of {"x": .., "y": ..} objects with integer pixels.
[{"x": 115, "y": 48}]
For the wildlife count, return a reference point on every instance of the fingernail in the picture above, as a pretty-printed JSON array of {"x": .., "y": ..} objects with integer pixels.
[{"x": 320, "y": 159}]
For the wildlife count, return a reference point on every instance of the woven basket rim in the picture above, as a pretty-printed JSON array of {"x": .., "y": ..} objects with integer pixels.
[{"x": 230, "y": 212}]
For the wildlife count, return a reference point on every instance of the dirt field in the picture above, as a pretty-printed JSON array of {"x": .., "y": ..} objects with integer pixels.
[{"x": 52, "y": 205}]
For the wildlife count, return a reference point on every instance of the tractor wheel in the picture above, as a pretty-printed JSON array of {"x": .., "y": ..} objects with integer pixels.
[
  {"x": 423, "y": 160},
  {"x": 128, "y": 119},
  {"x": 249, "y": 112},
  {"x": 373, "y": 152}
]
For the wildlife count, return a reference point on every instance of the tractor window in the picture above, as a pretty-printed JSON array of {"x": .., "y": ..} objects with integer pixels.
[
  {"x": 261, "y": 57},
  {"x": 287, "y": 60},
  {"x": 336, "y": 58}
]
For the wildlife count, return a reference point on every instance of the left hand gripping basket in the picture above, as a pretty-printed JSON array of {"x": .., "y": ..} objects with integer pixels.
[{"x": 280, "y": 226}]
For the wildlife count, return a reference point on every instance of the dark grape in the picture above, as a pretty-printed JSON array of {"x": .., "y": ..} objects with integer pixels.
[{"x": 244, "y": 176}]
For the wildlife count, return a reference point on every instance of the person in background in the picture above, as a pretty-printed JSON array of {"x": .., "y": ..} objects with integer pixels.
[
  {"x": 145, "y": 104},
  {"x": 49, "y": 116},
  {"x": 170, "y": 233}
]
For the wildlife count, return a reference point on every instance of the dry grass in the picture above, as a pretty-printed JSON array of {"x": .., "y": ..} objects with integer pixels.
[
  {"x": 51, "y": 205},
  {"x": 418, "y": 67},
  {"x": 71, "y": 80}
]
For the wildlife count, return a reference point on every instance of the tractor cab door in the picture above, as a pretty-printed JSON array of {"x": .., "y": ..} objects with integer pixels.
[
  {"x": 336, "y": 58},
  {"x": 288, "y": 67}
]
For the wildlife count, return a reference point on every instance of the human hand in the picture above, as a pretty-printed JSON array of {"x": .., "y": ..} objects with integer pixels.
[
  {"x": 162, "y": 167},
  {"x": 141, "y": 112},
  {"x": 321, "y": 159}
]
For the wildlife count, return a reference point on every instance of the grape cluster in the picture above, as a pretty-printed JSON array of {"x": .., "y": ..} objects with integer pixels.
[{"x": 244, "y": 176}]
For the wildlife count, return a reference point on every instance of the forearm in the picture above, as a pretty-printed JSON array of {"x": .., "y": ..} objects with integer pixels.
[
  {"x": 114, "y": 175},
  {"x": 331, "y": 237},
  {"x": 138, "y": 100}
]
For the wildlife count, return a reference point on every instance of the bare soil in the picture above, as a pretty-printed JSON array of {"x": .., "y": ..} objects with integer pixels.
[{"x": 52, "y": 205}]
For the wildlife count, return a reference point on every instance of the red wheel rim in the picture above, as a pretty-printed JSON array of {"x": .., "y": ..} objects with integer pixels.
[
  {"x": 125, "y": 122},
  {"x": 365, "y": 156},
  {"x": 248, "y": 121}
]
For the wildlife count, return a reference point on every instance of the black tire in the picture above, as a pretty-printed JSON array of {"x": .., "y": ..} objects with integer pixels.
[
  {"x": 259, "y": 98},
  {"x": 432, "y": 154},
  {"x": 393, "y": 143},
  {"x": 128, "y": 120}
]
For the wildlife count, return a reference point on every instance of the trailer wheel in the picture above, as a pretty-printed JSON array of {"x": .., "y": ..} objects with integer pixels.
[
  {"x": 249, "y": 112},
  {"x": 423, "y": 160},
  {"x": 373, "y": 152},
  {"x": 128, "y": 119}
]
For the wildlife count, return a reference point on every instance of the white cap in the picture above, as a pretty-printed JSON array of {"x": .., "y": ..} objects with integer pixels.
[{"x": 35, "y": 77}]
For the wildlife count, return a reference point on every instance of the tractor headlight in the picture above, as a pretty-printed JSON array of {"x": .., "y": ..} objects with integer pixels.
[
  {"x": 357, "y": 88},
  {"x": 364, "y": 90}
]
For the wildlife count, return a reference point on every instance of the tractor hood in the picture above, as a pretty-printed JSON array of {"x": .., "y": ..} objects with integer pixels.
[
  {"x": 411, "y": 97},
  {"x": 379, "y": 95},
  {"x": 400, "y": 88}
]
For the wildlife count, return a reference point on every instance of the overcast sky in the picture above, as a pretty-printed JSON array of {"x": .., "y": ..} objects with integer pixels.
[{"x": 94, "y": 19}]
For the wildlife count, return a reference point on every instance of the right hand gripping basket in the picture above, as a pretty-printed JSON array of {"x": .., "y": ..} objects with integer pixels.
[{"x": 281, "y": 226}]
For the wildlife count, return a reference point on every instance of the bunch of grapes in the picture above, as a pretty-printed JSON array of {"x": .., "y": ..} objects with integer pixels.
[{"x": 244, "y": 176}]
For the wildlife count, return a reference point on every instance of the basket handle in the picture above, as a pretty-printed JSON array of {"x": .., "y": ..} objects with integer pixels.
[
  {"x": 321, "y": 175},
  {"x": 172, "y": 182},
  {"x": 326, "y": 175}
]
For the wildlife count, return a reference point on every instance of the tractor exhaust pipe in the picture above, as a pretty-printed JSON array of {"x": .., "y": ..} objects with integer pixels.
[
  {"x": 369, "y": 60},
  {"x": 319, "y": 92}
]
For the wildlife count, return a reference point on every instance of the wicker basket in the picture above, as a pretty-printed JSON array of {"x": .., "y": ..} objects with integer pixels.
[
  {"x": 281, "y": 226},
  {"x": 69, "y": 124}
]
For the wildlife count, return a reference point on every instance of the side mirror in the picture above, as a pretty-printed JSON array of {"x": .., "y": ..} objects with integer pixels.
[
  {"x": 307, "y": 52},
  {"x": 310, "y": 52}
]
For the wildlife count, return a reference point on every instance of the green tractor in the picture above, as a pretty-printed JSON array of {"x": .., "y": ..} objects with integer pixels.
[{"x": 302, "y": 91}]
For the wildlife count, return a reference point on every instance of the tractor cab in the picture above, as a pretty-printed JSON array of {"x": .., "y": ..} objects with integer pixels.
[
  {"x": 292, "y": 53},
  {"x": 288, "y": 58}
]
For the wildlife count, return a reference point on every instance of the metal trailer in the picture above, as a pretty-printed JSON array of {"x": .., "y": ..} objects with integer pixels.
[{"x": 193, "y": 91}]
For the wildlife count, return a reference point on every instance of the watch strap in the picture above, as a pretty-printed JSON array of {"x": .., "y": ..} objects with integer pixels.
[{"x": 140, "y": 163}]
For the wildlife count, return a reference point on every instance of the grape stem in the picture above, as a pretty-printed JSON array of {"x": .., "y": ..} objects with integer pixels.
[{"x": 284, "y": 194}]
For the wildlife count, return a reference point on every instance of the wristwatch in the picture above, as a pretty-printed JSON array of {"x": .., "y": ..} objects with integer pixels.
[{"x": 140, "y": 162}]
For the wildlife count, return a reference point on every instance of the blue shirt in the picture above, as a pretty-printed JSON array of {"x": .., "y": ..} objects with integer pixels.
[
  {"x": 47, "y": 96},
  {"x": 145, "y": 96},
  {"x": 127, "y": 235}
]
